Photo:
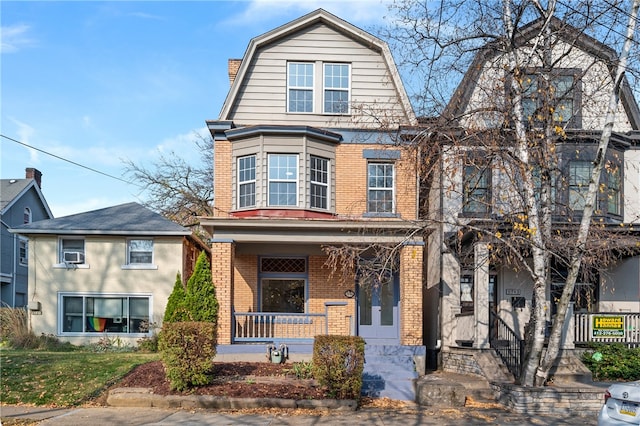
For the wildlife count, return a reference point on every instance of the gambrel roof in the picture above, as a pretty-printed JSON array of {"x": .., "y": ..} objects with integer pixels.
[
  {"x": 323, "y": 17},
  {"x": 565, "y": 32}
]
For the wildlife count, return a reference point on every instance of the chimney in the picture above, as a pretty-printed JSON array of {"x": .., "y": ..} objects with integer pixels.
[
  {"x": 34, "y": 174},
  {"x": 234, "y": 66}
]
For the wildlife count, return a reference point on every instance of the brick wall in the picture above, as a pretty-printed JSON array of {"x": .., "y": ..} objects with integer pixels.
[
  {"x": 222, "y": 255},
  {"x": 222, "y": 178},
  {"x": 411, "y": 295}
]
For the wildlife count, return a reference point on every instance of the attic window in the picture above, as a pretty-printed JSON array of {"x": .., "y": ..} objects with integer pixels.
[
  {"x": 300, "y": 87},
  {"x": 336, "y": 88}
]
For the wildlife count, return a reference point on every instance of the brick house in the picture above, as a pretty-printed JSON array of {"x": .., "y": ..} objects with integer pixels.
[{"x": 308, "y": 155}]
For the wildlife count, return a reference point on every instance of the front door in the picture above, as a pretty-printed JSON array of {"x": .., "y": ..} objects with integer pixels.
[{"x": 378, "y": 311}]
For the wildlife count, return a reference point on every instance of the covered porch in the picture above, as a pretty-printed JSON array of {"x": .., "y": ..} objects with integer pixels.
[{"x": 274, "y": 285}]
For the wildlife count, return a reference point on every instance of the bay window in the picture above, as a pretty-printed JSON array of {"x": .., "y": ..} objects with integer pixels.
[
  {"x": 247, "y": 181},
  {"x": 319, "y": 182},
  {"x": 283, "y": 180}
]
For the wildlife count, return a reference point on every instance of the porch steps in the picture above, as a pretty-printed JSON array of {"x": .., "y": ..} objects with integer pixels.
[{"x": 390, "y": 371}]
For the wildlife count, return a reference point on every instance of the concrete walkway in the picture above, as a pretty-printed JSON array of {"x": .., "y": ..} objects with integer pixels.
[{"x": 407, "y": 416}]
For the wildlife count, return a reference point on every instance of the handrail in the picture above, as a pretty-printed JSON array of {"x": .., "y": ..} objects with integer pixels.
[
  {"x": 269, "y": 326},
  {"x": 506, "y": 343}
]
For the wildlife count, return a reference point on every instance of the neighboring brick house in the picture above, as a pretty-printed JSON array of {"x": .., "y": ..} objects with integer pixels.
[
  {"x": 21, "y": 201},
  {"x": 476, "y": 294},
  {"x": 105, "y": 272},
  {"x": 308, "y": 155}
]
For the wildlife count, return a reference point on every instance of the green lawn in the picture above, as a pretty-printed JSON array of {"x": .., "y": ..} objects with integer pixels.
[{"x": 62, "y": 378}]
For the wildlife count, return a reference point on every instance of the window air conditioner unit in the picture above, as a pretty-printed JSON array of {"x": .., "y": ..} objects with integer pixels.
[
  {"x": 23, "y": 260},
  {"x": 73, "y": 257}
]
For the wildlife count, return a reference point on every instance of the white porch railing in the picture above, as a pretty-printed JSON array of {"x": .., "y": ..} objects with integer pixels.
[
  {"x": 267, "y": 326},
  {"x": 619, "y": 327}
]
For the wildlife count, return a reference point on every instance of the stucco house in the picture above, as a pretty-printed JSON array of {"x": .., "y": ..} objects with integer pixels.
[
  {"x": 21, "y": 202},
  {"x": 482, "y": 303},
  {"x": 107, "y": 272},
  {"x": 309, "y": 155}
]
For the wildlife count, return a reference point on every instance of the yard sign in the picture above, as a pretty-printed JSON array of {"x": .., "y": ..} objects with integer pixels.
[{"x": 608, "y": 326}]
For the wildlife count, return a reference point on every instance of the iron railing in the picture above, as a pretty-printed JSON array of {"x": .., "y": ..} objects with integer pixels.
[{"x": 506, "y": 343}]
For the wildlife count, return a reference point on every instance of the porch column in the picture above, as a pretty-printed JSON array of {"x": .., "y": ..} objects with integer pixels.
[
  {"x": 222, "y": 256},
  {"x": 411, "y": 294},
  {"x": 481, "y": 295},
  {"x": 450, "y": 299},
  {"x": 568, "y": 339}
]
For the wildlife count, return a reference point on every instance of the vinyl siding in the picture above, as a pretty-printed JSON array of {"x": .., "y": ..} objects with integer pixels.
[{"x": 262, "y": 96}]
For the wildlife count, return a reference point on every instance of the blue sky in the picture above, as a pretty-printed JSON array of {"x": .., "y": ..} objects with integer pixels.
[{"x": 99, "y": 82}]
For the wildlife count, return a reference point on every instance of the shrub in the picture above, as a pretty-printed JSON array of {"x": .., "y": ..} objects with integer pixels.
[
  {"x": 338, "y": 362},
  {"x": 301, "y": 370},
  {"x": 200, "y": 301},
  {"x": 13, "y": 325},
  {"x": 613, "y": 361},
  {"x": 187, "y": 350},
  {"x": 175, "y": 310}
]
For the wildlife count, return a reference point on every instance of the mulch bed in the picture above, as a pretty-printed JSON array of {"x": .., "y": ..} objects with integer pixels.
[{"x": 230, "y": 379}]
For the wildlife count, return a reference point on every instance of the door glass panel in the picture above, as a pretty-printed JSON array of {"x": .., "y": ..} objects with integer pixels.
[
  {"x": 364, "y": 302},
  {"x": 386, "y": 304}
]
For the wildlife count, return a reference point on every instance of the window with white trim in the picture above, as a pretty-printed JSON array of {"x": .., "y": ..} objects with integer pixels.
[
  {"x": 27, "y": 215},
  {"x": 336, "y": 88},
  {"x": 104, "y": 313},
  {"x": 71, "y": 250},
  {"x": 23, "y": 250},
  {"x": 283, "y": 180},
  {"x": 380, "y": 187},
  {"x": 247, "y": 181},
  {"x": 319, "y": 182},
  {"x": 300, "y": 87},
  {"x": 140, "y": 251}
]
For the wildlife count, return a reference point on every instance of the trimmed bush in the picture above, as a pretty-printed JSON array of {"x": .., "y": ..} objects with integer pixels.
[
  {"x": 338, "y": 362},
  {"x": 188, "y": 349}
]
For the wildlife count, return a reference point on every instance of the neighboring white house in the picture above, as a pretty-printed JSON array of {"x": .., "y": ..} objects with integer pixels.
[
  {"x": 477, "y": 294},
  {"x": 21, "y": 201},
  {"x": 107, "y": 272}
]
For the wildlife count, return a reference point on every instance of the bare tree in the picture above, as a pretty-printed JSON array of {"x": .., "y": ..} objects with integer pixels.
[
  {"x": 513, "y": 118},
  {"x": 176, "y": 189}
]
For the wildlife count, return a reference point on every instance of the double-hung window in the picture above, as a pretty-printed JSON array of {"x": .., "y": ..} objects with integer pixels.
[
  {"x": 336, "y": 88},
  {"x": 23, "y": 250},
  {"x": 380, "y": 187},
  {"x": 476, "y": 188},
  {"x": 300, "y": 87},
  {"x": 319, "y": 182},
  {"x": 71, "y": 250},
  {"x": 579, "y": 177},
  {"x": 283, "y": 180},
  {"x": 27, "y": 215},
  {"x": 613, "y": 191},
  {"x": 247, "y": 181},
  {"x": 140, "y": 252},
  {"x": 101, "y": 313}
]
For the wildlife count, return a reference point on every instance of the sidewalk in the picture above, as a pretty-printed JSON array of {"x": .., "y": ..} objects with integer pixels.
[{"x": 411, "y": 416}]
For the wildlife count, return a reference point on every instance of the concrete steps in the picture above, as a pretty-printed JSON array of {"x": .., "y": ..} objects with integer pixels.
[{"x": 390, "y": 371}]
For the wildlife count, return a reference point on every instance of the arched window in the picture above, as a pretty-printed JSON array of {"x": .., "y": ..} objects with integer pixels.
[{"x": 27, "y": 215}]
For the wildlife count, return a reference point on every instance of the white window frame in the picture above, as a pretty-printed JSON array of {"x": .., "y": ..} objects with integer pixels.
[
  {"x": 23, "y": 251},
  {"x": 313, "y": 183},
  {"x": 371, "y": 188},
  {"x": 328, "y": 87},
  {"x": 247, "y": 182},
  {"x": 61, "y": 250},
  {"x": 293, "y": 85},
  {"x": 277, "y": 179},
  {"x": 65, "y": 321},
  {"x": 138, "y": 265}
]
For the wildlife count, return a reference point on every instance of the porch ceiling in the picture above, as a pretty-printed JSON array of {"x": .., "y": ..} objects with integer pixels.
[{"x": 313, "y": 231}]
